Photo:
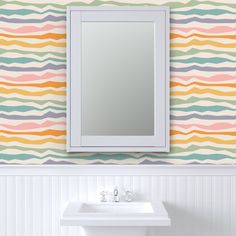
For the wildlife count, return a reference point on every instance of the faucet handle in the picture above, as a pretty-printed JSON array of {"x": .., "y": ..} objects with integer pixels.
[
  {"x": 116, "y": 195},
  {"x": 103, "y": 196},
  {"x": 128, "y": 196},
  {"x": 116, "y": 192}
]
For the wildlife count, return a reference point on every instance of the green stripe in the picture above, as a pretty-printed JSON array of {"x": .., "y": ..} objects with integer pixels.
[
  {"x": 40, "y": 54},
  {"x": 194, "y": 148},
  {"x": 202, "y": 108},
  {"x": 40, "y": 102},
  {"x": 201, "y": 60},
  {"x": 177, "y": 101},
  {"x": 176, "y": 53},
  {"x": 176, "y": 4}
]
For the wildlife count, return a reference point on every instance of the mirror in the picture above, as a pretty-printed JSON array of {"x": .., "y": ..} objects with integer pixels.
[
  {"x": 117, "y": 92},
  {"x": 117, "y": 78}
]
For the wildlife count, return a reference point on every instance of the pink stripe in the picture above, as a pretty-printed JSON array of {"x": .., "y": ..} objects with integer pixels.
[
  {"x": 217, "y": 126},
  {"x": 31, "y": 125},
  {"x": 33, "y": 77},
  {"x": 31, "y": 29},
  {"x": 215, "y": 78},
  {"x": 217, "y": 29}
]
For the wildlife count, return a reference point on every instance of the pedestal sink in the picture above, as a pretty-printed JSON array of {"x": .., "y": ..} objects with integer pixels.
[{"x": 115, "y": 219}]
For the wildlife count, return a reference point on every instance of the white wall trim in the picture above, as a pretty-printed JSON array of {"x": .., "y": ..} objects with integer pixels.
[{"x": 121, "y": 170}]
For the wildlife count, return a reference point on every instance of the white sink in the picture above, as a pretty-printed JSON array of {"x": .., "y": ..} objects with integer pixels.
[
  {"x": 111, "y": 218},
  {"x": 116, "y": 208}
]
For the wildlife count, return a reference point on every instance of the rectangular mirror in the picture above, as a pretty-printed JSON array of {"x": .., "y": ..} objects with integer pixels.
[
  {"x": 116, "y": 69},
  {"x": 118, "y": 78}
]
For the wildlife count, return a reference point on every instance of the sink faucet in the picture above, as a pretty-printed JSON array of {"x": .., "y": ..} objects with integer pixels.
[{"x": 116, "y": 195}]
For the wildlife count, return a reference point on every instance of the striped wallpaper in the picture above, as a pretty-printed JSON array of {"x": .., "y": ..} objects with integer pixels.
[{"x": 33, "y": 82}]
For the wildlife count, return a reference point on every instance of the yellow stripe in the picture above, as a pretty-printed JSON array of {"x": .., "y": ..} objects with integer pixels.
[
  {"x": 30, "y": 141},
  {"x": 202, "y": 139},
  {"x": 202, "y": 91},
  {"x": 27, "y": 93},
  {"x": 195, "y": 42},
  {"x": 30, "y": 45}
]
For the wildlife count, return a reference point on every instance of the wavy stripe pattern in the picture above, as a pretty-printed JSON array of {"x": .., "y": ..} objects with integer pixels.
[{"x": 33, "y": 83}]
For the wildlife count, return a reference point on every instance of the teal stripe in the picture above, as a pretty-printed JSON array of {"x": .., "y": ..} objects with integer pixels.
[
  {"x": 200, "y": 157},
  {"x": 195, "y": 148},
  {"x": 202, "y": 12},
  {"x": 202, "y": 108},
  {"x": 117, "y": 157},
  {"x": 202, "y": 60},
  {"x": 28, "y": 108},
  {"x": 24, "y": 60},
  {"x": 23, "y": 12}
]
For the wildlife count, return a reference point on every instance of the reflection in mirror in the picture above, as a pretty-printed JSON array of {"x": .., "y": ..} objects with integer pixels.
[{"x": 117, "y": 78}]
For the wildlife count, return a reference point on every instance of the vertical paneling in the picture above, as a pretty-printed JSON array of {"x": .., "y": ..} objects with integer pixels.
[
  {"x": 64, "y": 196},
  {"x": 46, "y": 204},
  {"x": 198, "y": 205},
  {"x": 11, "y": 205},
  {"x": 137, "y": 188},
  {"x": 232, "y": 213},
  {"x": 3, "y": 208},
  {"x": 20, "y": 205},
  {"x": 226, "y": 203}
]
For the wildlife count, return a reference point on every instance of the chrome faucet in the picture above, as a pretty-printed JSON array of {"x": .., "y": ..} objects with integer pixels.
[{"x": 116, "y": 195}]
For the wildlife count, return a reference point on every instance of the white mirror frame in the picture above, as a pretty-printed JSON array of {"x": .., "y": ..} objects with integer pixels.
[{"x": 159, "y": 142}]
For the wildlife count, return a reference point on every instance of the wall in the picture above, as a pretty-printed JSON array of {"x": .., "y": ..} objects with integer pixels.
[
  {"x": 33, "y": 80},
  {"x": 200, "y": 200}
]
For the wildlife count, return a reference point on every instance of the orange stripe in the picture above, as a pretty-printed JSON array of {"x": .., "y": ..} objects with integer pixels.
[
  {"x": 175, "y": 132},
  {"x": 39, "y": 133},
  {"x": 38, "y": 85},
  {"x": 173, "y": 36},
  {"x": 173, "y": 84},
  {"x": 29, "y": 93},
  {"x": 42, "y": 36}
]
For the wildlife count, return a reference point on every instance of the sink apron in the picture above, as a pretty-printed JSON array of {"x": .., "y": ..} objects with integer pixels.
[{"x": 115, "y": 231}]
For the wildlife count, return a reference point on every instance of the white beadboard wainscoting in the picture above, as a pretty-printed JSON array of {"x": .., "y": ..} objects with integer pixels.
[{"x": 201, "y": 200}]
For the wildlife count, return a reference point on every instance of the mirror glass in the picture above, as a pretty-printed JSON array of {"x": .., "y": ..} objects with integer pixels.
[{"x": 117, "y": 78}]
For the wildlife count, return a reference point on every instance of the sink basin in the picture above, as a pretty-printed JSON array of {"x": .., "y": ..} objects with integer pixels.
[
  {"x": 116, "y": 208},
  {"x": 115, "y": 214}
]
